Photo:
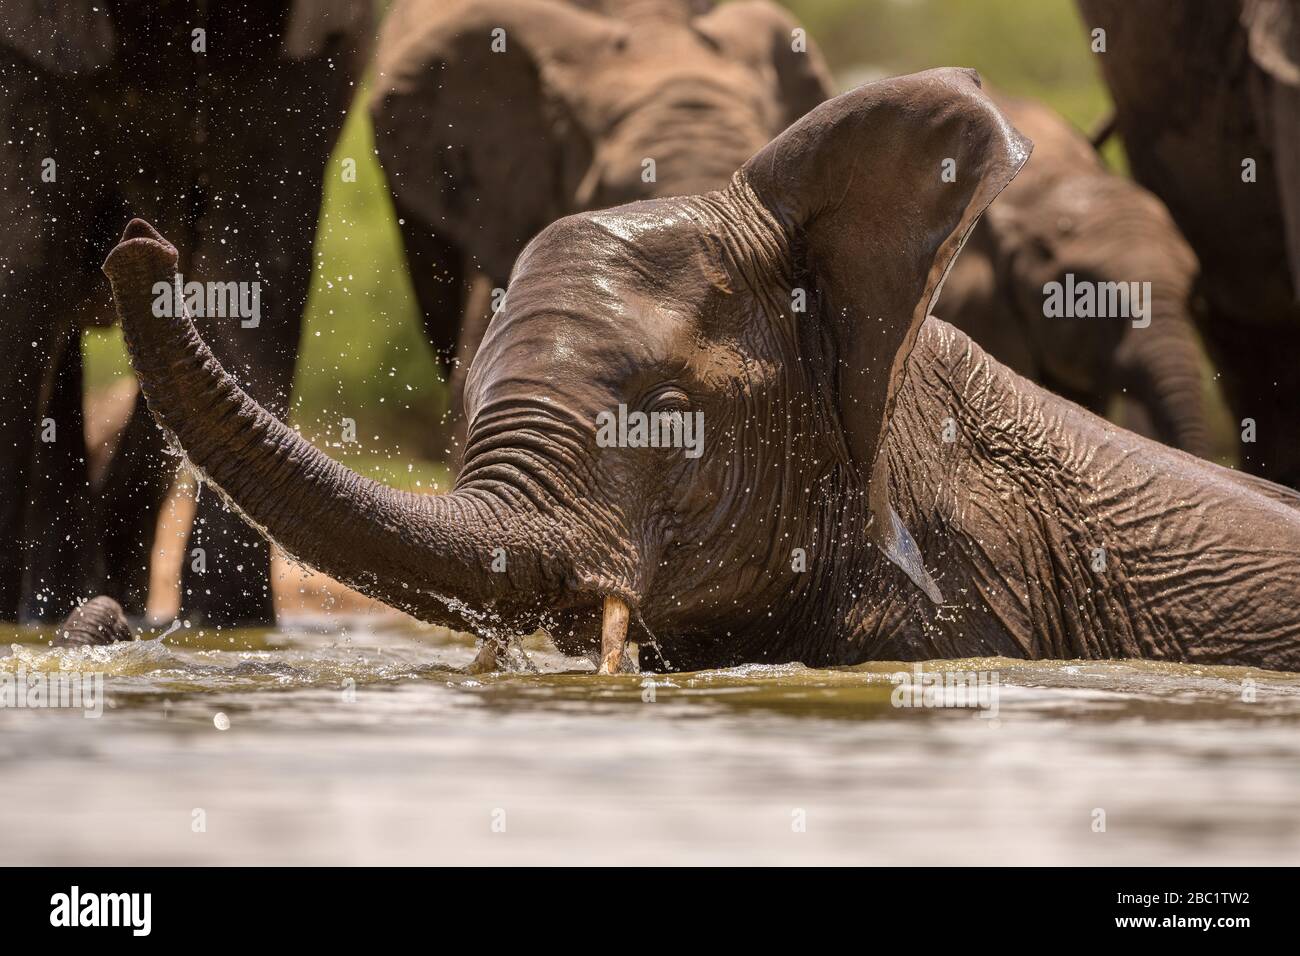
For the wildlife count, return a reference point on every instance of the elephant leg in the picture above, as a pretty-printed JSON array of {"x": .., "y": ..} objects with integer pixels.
[
  {"x": 60, "y": 558},
  {"x": 226, "y": 571},
  {"x": 28, "y": 323},
  {"x": 134, "y": 489},
  {"x": 440, "y": 277},
  {"x": 455, "y": 302},
  {"x": 20, "y": 388}
]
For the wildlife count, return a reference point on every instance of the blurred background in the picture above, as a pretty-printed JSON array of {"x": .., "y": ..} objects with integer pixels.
[{"x": 363, "y": 353}]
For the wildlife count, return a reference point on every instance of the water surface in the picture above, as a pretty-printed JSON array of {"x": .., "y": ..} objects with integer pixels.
[{"x": 363, "y": 740}]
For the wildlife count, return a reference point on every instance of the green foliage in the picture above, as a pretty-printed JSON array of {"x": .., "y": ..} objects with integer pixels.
[
  {"x": 364, "y": 354},
  {"x": 1028, "y": 47}
]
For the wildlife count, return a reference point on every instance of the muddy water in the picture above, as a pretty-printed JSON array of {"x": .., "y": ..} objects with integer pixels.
[{"x": 366, "y": 742}]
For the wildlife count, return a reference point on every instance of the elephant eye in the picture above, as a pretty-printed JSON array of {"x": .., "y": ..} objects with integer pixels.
[{"x": 668, "y": 399}]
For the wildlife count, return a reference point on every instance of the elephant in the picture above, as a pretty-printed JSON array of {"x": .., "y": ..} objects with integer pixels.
[
  {"x": 1065, "y": 220},
  {"x": 98, "y": 622},
  {"x": 818, "y": 514},
  {"x": 1207, "y": 102},
  {"x": 587, "y": 104},
  {"x": 195, "y": 118}
]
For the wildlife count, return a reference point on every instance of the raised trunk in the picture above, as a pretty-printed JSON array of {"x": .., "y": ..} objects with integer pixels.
[{"x": 429, "y": 555}]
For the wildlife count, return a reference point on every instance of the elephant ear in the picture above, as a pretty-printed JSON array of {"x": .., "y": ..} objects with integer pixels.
[
  {"x": 68, "y": 37},
  {"x": 877, "y": 190},
  {"x": 469, "y": 124},
  {"x": 762, "y": 35},
  {"x": 314, "y": 23},
  {"x": 1273, "y": 32},
  {"x": 1273, "y": 36}
]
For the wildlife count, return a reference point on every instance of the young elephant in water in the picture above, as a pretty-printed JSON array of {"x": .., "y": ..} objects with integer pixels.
[
  {"x": 789, "y": 311},
  {"x": 1068, "y": 223}
]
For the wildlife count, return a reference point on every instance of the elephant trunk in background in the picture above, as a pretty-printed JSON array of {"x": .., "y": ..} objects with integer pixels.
[
  {"x": 1161, "y": 366},
  {"x": 1069, "y": 223},
  {"x": 424, "y": 554},
  {"x": 1159, "y": 363},
  {"x": 1160, "y": 360}
]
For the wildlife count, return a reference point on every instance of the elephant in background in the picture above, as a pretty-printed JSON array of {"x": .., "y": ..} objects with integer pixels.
[
  {"x": 1067, "y": 215},
  {"x": 825, "y": 519},
  {"x": 217, "y": 122},
  {"x": 98, "y": 622},
  {"x": 484, "y": 149},
  {"x": 1207, "y": 100}
]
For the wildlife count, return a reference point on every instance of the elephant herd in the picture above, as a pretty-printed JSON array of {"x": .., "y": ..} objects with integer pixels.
[{"x": 647, "y": 210}]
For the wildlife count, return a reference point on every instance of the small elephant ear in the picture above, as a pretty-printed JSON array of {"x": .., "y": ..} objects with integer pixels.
[
  {"x": 1273, "y": 34},
  {"x": 469, "y": 124},
  {"x": 764, "y": 36},
  {"x": 877, "y": 190},
  {"x": 69, "y": 37}
]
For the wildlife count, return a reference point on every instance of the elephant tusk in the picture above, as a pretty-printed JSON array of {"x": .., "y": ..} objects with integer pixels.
[{"x": 613, "y": 634}]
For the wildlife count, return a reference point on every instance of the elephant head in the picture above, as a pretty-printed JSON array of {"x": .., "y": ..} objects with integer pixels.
[
  {"x": 495, "y": 118},
  {"x": 780, "y": 309}
]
